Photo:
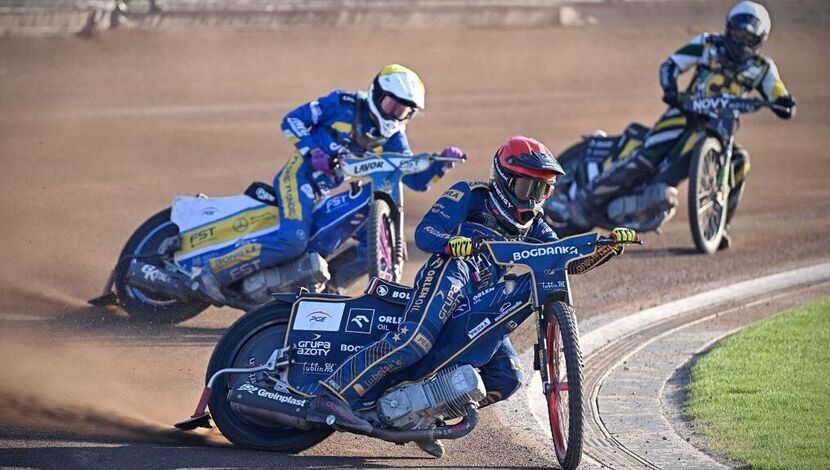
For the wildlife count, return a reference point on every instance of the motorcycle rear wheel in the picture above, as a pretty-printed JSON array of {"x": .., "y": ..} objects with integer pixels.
[
  {"x": 385, "y": 250},
  {"x": 151, "y": 307},
  {"x": 249, "y": 342},
  {"x": 564, "y": 394},
  {"x": 707, "y": 202}
]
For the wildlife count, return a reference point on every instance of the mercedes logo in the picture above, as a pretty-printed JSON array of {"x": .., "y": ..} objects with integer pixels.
[{"x": 240, "y": 224}]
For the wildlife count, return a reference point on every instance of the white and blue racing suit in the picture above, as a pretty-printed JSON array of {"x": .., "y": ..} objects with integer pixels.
[{"x": 336, "y": 123}]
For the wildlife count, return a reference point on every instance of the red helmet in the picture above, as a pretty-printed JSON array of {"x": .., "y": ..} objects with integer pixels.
[{"x": 524, "y": 171}]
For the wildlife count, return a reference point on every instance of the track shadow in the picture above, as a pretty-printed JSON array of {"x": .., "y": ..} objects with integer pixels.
[
  {"x": 661, "y": 252},
  {"x": 166, "y": 457}
]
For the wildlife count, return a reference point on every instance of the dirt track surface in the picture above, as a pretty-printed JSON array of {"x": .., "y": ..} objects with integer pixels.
[{"x": 96, "y": 135}]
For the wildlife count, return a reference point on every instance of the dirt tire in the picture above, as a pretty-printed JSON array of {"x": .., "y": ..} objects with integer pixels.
[
  {"x": 562, "y": 342},
  {"x": 151, "y": 307},
  {"x": 385, "y": 252},
  {"x": 249, "y": 342},
  {"x": 707, "y": 204}
]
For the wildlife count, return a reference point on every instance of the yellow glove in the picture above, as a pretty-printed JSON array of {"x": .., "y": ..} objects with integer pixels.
[
  {"x": 624, "y": 236},
  {"x": 460, "y": 247}
]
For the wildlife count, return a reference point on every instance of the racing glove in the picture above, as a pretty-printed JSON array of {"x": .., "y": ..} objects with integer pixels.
[
  {"x": 672, "y": 98},
  {"x": 320, "y": 160},
  {"x": 624, "y": 236},
  {"x": 459, "y": 247},
  {"x": 451, "y": 152},
  {"x": 785, "y": 107}
]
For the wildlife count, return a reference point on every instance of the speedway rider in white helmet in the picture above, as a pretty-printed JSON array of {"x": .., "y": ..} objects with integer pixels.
[
  {"x": 338, "y": 124},
  {"x": 726, "y": 63}
]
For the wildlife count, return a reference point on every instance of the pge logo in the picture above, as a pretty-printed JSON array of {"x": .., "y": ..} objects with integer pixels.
[{"x": 360, "y": 320}]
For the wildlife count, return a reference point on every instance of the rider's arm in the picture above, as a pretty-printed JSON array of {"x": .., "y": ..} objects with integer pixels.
[
  {"x": 773, "y": 90},
  {"x": 398, "y": 143},
  {"x": 541, "y": 232},
  {"x": 297, "y": 124},
  {"x": 444, "y": 218},
  {"x": 686, "y": 57}
]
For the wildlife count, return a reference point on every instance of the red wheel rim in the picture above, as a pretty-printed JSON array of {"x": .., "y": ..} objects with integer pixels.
[
  {"x": 387, "y": 264},
  {"x": 557, "y": 407}
]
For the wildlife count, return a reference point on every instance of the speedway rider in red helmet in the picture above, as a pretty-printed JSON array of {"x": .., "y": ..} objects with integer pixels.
[{"x": 508, "y": 207}]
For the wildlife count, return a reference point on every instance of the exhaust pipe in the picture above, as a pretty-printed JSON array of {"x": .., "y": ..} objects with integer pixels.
[
  {"x": 149, "y": 277},
  {"x": 289, "y": 410},
  {"x": 455, "y": 431}
]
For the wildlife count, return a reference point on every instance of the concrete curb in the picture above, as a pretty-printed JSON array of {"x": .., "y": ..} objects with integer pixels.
[{"x": 618, "y": 329}]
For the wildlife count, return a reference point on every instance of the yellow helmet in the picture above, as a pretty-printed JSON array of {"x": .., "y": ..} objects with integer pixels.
[{"x": 395, "y": 95}]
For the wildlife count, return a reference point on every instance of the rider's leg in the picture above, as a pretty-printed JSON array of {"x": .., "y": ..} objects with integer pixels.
[
  {"x": 439, "y": 286},
  {"x": 295, "y": 198},
  {"x": 741, "y": 166},
  {"x": 643, "y": 162},
  {"x": 503, "y": 375}
]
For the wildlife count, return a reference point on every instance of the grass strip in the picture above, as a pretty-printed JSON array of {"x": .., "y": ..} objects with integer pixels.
[{"x": 762, "y": 396}]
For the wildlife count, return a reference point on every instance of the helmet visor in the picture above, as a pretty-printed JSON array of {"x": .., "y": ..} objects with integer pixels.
[
  {"x": 525, "y": 188},
  {"x": 745, "y": 37},
  {"x": 393, "y": 108}
]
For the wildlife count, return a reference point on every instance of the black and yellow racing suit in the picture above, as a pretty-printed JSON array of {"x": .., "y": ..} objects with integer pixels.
[{"x": 715, "y": 74}]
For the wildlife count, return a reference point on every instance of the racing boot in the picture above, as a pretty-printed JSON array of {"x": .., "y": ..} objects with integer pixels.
[
  {"x": 329, "y": 409},
  {"x": 622, "y": 174},
  {"x": 434, "y": 448},
  {"x": 210, "y": 287},
  {"x": 725, "y": 242}
]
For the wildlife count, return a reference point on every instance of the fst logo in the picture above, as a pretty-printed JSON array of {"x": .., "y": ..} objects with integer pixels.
[
  {"x": 360, "y": 320},
  {"x": 318, "y": 316}
]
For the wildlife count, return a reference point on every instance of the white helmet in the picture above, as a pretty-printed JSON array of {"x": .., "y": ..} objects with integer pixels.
[
  {"x": 395, "y": 95},
  {"x": 747, "y": 27}
]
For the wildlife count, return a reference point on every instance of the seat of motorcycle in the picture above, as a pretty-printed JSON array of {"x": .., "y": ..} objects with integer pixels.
[
  {"x": 389, "y": 291},
  {"x": 262, "y": 192}
]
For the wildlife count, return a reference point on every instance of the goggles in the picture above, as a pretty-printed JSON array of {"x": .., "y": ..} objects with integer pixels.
[
  {"x": 530, "y": 188},
  {"x": 393, "y": 108},
  {"x": 745, "y": 37}
]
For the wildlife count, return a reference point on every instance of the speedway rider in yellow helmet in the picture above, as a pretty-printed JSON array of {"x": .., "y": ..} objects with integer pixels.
[{"x": 338, "y": 124}]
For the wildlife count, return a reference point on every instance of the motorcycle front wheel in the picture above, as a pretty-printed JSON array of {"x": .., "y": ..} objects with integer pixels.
[
  {"x": 384, "y": 246},
  {"x": 563, "y": 390},
  {"x": 707, "y": 199}
]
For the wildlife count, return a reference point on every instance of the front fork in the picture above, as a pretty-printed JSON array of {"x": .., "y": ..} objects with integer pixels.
[
  {"x": 540, "y": 350},
  {"x": 726, "y": 175}
]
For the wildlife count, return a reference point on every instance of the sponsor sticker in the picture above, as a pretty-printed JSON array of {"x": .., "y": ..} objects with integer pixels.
[
  {"x": 478, "y": 328},
  {"x": 318, "y": 316},
  {"x": 453, "y": 194},
  {"x": 239, "y": 255},
  {"x": 360, "y": 320},
  {"x": 423, "y": 342}
]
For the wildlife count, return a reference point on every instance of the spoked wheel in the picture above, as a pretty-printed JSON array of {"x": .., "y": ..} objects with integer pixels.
[
  {"x": 384, "y": 245},
  {"x": 148, "y": 242},
  {"x": 564, "y": 387},
  {"x": 249, "y": 343},
  {"x": 707, "y": 200}
]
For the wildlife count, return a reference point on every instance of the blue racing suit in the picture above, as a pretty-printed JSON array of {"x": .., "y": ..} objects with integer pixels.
[
  {"x": 330, "y": 123},
  {"x": 440, "y": 286}
]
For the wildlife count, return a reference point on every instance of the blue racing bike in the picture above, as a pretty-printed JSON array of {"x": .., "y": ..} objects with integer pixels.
[
  {"x": 265, "y": 370},
  {"x": 357, "y": 231}
]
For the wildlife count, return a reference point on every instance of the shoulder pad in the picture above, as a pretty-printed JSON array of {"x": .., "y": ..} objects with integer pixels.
[{"x": 478, "y": 184}]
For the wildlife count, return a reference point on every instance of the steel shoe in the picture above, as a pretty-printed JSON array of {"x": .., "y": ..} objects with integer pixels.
[{"x": 434, "y": 448}]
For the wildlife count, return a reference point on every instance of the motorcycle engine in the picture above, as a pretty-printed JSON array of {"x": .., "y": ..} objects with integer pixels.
[
  {"x": 309, "y": 269},
  {"x": 443, "y": 397}
]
